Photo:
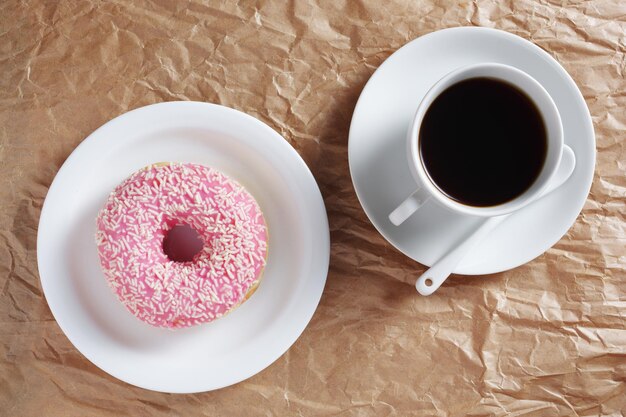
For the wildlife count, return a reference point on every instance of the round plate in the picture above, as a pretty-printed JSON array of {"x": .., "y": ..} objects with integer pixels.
[
  {"x": 212, "y": 355},
  {"x": 380, "y": 170}
]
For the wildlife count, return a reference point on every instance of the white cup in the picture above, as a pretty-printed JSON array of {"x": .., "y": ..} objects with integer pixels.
[{"x": 427, "y": 190}]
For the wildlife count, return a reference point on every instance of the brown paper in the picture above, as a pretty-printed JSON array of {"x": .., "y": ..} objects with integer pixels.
[{"x": 545, "y": 339}]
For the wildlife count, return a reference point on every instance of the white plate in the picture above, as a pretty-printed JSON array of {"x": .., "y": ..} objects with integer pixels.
[
  {"x": 212, "y": 355},
  {"x": 380, "y": 171}
]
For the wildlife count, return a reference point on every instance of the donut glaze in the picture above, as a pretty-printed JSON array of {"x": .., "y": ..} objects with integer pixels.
[{"x": 133, "y": 224}]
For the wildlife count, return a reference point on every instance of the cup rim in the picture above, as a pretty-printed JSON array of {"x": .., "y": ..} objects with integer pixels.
[{"x": 547, "y": 109}]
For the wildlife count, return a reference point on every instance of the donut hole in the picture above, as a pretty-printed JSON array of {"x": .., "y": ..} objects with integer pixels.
[{"x": 182, "y": 243}]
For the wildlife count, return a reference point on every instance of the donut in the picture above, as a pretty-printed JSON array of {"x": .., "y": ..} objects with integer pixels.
[{"x": 181, "y": 244}]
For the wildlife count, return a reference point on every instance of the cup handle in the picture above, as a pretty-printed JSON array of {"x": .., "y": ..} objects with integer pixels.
[{"x": 409, "y": 206}]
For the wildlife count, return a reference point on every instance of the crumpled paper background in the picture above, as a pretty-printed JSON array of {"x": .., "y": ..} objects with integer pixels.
[{"x": 545, "y": 339}]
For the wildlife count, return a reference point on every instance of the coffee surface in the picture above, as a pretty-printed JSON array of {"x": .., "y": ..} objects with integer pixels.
[{"x": 483, "y": 142}]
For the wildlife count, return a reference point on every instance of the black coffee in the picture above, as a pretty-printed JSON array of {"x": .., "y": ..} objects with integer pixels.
[{"x": 483, "y": 142}]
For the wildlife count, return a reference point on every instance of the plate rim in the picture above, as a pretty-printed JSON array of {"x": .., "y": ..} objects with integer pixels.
[
  {"x": 590, "y": 132},
  {"x": 316, "y": 275}
]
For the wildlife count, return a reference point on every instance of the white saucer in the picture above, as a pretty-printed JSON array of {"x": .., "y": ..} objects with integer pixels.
[
  {"x": 380, "y": 171},
  {"x": 216, "y": 354}
]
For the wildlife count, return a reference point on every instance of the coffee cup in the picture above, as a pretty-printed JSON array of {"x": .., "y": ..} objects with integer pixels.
[{"x": 457, "y": 176}]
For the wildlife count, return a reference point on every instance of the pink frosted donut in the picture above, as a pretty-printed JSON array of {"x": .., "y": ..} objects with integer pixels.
[{"x": 139, "y": 222}]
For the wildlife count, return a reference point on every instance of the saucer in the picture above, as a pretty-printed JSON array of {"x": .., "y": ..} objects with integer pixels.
[
  {"x": 211, "y": 355},
  {"x": 380, "y": 170}
]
